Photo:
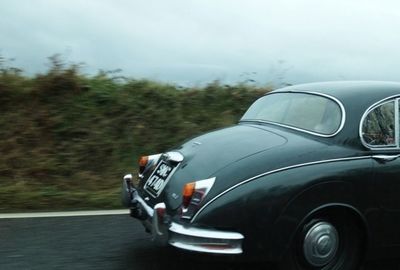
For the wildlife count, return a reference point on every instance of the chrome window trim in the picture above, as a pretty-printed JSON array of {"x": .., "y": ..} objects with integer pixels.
[
  {"x": 272, "y": 172},
  {"x": 394, "y": 98},
  {"x": 337, "y": 101}
]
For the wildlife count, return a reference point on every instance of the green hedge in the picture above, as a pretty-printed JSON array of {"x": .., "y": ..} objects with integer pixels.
[{"x": 66, "y": 139}]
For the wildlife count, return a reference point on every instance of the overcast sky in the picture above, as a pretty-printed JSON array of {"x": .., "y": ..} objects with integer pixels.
[{"x": 193, "y": 42}]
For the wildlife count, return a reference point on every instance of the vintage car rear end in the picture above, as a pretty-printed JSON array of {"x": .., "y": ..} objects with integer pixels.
[
  {"x": 293, "y": 182},
  {"x": 174, "y": 186},
  {"x": 167, "y": 219}
]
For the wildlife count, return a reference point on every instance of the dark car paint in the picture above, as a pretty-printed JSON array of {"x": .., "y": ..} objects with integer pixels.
[
  {"x": 296, "y": 149},
  {"x": 308, "y": 173},
  {"x": 270, "y": 210},
  {"x": 387, "y": 193},
  {"x": 212, "y": 152}
]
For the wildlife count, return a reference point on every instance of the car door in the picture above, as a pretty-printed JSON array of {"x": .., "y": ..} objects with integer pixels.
[{"x": 380, "y": 133}]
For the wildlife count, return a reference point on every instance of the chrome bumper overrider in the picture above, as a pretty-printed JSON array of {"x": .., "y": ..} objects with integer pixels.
[{"x": 181, "y": 236}]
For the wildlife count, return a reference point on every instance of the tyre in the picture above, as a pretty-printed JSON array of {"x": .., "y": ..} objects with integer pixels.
[{"x": 326, "y": 243}]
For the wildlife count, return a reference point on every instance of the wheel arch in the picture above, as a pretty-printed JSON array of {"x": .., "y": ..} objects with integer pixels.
[
  {"x": 337, "y": 202},
  {"x": 339, "y": 207}
]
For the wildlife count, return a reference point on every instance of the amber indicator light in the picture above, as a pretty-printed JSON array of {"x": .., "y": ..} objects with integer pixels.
[
  {"x": 188, "y": 191},
  {"x": 143, "y": 161}
]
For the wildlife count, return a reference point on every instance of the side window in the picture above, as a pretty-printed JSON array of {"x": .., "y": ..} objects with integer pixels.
[{"x": 378, "y": 128}]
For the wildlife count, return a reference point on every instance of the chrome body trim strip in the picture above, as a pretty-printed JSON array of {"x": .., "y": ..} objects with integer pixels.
[
  {"x": 395, "y": 98},
  {"x": 337, "y": 101},
  {"x": 272, "y": 172},
  {"x": 385, "y": 158}
]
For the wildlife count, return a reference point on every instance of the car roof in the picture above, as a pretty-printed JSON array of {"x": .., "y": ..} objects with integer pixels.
[{"x": 350, "y": 92}]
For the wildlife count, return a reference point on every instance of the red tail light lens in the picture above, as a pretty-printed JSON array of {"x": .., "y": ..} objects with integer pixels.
[{"x": 148, "y": 162}]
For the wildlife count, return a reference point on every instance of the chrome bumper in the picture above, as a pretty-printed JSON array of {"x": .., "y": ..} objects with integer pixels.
[{"x": 187, "y": 237}]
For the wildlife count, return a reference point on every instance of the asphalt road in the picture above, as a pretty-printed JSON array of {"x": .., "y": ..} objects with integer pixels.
[{"x": 100, "y": 242}]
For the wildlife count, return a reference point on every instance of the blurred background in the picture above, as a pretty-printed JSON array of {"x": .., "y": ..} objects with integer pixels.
[{"x": 86, "y": 87}]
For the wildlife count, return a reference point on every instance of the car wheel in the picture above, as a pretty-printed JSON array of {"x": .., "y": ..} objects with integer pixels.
[{"x": 326, "y": 244}]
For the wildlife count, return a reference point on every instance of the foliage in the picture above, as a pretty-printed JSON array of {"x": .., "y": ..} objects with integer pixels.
[{"x": 66, "y": 139}]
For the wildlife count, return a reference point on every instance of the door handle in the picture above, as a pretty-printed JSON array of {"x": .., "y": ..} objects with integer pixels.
[{"x": 385, "y": 158}]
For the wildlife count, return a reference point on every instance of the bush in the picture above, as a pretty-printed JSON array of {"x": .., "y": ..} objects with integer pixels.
[{"x": 64, "y": 134}]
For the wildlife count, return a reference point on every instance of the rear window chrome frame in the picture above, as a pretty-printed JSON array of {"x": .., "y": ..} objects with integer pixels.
[
  {"x": 335, "y": 100},
  {"x": 396, "y": 99}
]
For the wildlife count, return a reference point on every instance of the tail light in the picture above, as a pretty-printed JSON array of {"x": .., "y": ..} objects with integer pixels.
[
  {"x": 146, "y": 162},
  {"x": 187, "y": 194},
  {"x": 143, "y": 160},
  {"x": 193, "y": 194}
]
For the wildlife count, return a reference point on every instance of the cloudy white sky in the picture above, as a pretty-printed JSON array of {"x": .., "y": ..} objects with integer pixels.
[{"x": 197, "y": 41}]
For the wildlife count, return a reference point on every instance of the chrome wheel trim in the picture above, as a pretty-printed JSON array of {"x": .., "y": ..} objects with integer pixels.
[{"x": 320, "y": 244}]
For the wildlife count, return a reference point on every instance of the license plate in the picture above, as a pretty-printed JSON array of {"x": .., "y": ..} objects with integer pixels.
[{"x": 157, "y": 181}]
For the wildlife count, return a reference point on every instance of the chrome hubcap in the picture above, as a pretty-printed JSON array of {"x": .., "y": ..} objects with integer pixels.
[{"x": 320, "y": 244}]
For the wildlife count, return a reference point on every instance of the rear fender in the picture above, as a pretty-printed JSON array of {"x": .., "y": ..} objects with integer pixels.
[{"x": 338, "y": 195}]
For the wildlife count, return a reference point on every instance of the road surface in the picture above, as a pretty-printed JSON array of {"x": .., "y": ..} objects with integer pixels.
[{"x": 98, "y": 242}]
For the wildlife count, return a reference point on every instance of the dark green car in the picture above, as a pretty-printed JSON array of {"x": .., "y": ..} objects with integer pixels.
[{"x": 309, "y": 178}]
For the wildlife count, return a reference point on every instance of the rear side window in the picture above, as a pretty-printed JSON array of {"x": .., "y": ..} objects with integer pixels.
[
  {"x": 306, "y": 111},
  {"x": 379, "y": 126}
]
